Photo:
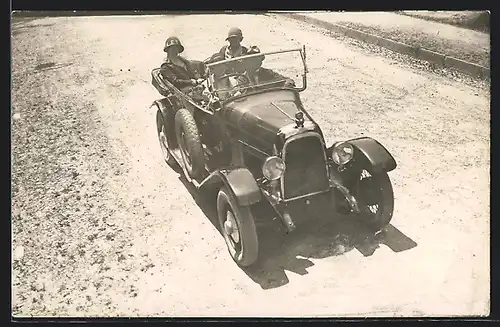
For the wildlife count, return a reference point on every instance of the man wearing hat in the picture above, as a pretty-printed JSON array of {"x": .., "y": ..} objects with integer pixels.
[
  {"x": 234, "y": 48},
  {"x": 179, "y": 71}
]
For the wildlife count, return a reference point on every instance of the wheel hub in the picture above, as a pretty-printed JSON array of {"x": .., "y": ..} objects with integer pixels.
[
  {"x": 164, "y": 143},
  {"x": 230, "y": 227},
  {"x": 183, "y": 148},
  {"x": 163, "y": 138}
]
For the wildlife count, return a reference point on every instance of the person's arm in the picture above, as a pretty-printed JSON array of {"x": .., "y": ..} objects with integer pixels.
[
  {"x": 214, "y": 58},
  {"x": 218, "y": 56},
  {"x": 253, "y": 49},
  {"x": 169, "y": 75},
  {"x": 200, "y": 69}
]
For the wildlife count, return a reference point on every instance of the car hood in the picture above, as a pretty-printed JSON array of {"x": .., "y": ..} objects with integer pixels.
[
  {"x": 260, "y": 118},
  {"x": 264, "y": 112}
]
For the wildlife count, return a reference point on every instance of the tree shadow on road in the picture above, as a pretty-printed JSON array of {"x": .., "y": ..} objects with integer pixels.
[{"x": 280, "y": 251}]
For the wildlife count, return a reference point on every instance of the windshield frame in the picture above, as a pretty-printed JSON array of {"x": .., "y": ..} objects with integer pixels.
[{"x": 302, "y": 52}]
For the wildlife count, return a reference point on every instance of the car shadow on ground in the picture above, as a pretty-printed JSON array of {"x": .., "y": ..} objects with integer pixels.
[
  {"x": 292, "y": 252},
  {"x": 280, "y": 251}
]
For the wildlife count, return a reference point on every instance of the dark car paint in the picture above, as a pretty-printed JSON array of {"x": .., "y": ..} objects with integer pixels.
[
  {"x": 243, "y": 185},
  {"x": 165, "y": 107},
  {"x": 256, "y": 122},
  {"x": 239, "y": 181},
  {"x": 253, "y": 122},
  {"x": 259, "y": 125},
  {"x": 375, "y": 153}
]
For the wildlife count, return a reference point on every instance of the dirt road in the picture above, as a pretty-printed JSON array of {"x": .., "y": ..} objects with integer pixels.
[{"x": 103, "y": 227}]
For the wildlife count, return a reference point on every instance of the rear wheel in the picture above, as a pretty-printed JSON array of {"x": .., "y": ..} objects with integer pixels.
[
  {"x": 188, "y": 138},
  {"x": 238, "y": 228},
  {"x": 375, "y": 197},
  {"x": 162, "y": 137}
]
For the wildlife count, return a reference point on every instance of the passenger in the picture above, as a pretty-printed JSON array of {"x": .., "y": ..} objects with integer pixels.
[{"x": 178, "y": 70}]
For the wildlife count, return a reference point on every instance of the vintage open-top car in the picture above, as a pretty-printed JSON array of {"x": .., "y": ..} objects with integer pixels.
[{"x": 249, "y": 136}]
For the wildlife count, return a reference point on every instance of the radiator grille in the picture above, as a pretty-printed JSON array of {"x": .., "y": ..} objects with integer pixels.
[{"x": 305, "y": 167}]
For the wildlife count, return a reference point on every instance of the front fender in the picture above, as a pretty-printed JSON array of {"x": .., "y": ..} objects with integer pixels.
[
  {"x": 240, "y": 182},
  {"x": 375, "y": 153}
]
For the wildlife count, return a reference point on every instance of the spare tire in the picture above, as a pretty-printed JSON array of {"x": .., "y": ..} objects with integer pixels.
[{"x": 188, "y": 138}]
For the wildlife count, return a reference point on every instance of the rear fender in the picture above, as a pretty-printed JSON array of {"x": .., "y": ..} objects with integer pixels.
[
  {"x": 164, "y": 105},
  {"x": 374, "y": 153},
  {"x": 240, "y": 183},
  {"x": 167, "y": 111},
  {"x": 158, "y": 83}
]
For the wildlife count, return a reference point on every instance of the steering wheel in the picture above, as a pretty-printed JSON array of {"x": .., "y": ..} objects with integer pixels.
[
  {"x": 233, "y": 75},
  {"x": 237, "y": 88}
]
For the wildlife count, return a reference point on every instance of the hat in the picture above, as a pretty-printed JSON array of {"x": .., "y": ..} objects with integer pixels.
[
  {"x": 171, "y": 41},
  {"x": 234, "y": 32}
]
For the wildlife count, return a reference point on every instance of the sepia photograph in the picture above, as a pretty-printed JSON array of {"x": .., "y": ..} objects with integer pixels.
[{"x": 257, "y": 164}]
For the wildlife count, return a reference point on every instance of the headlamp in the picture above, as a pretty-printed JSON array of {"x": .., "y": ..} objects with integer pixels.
[
  {"x": 342, "y": 153},
  {"x": 273, "y": 168}
]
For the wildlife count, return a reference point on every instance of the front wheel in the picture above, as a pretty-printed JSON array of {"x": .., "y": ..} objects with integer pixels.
[
  {"x": 238, "y": 228},
  {"x": 375, "y": 197}
]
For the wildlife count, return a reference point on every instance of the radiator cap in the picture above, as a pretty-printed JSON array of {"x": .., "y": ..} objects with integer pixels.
[{"x": 299, "y": 119}]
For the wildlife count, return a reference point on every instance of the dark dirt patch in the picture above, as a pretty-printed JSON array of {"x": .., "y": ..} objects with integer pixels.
[
  {"x": 20, "y": 25},
  {"x": 63, "y": 203},
  {"x": 429, "y": 42},
  {"x": 51, "y": 65},
  {"x": 16, "y": 19},
  {"x": 55, "y": 148},
  {"x": 45, "y": 65}
]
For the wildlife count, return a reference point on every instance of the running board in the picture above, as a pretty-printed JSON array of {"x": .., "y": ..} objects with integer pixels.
[{"x": 176, "y": 154}]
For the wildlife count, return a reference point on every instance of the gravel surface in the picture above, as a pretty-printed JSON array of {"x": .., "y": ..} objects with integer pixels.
[
  {"x": 402, "y": 60},
  {"x": 430, "y": 42},
  {"x": 102, "y": 227},
  {"x": 70, "y": 252},
  {"x": 476, "y": 20},
  {"x": 451, "y": 40}
]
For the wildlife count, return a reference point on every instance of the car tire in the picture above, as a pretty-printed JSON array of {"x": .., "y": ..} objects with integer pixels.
[
  {"x": 162, "y": 132},
  {"x": 374, "y": 189},
  {"x": 242, "y": 243},
  {"x": 188, "y": 138}
]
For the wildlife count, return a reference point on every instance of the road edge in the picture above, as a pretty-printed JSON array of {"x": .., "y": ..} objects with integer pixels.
[
  {"x": 437, "y": 20},
  {"x": 416, "y": 52}
]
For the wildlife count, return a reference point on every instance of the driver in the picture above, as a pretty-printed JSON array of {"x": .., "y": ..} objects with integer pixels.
[
  {"x": 234, "y": 48},
  {"x": 179, "y": 71}
]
